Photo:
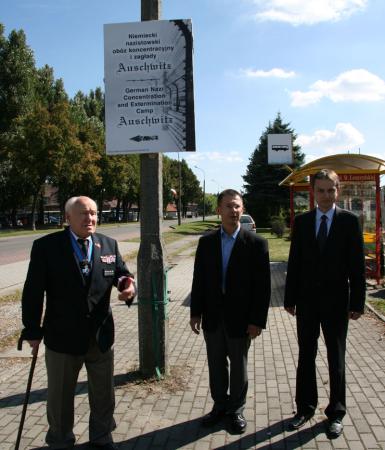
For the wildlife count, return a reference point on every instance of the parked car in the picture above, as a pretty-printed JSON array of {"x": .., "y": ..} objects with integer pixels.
[{"x": 247, "y": 222}]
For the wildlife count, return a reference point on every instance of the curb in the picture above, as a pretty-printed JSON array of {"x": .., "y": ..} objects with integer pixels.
[{"x": 376, "y": 313}]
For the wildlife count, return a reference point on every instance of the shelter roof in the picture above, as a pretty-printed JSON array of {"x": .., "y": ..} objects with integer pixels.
[{"x": 350, "y": 163}]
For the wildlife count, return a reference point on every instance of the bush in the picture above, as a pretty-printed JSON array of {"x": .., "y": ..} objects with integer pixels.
[
  {"x": 278, "y": 227},
  {"x": 278, "y": 224}
]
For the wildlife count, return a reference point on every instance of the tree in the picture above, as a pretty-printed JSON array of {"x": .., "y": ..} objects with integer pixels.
[
  {"x": 191, "y": 191},
  {"x": 264, "y": 198},
  {"x": 17, "y": 95},
  {"x": 17, "y": 77}
]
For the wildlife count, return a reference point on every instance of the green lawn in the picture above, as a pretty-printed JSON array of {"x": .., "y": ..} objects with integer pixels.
[
  {"x": 278, "y": 247},
  {"x": 378, "y": 305}
]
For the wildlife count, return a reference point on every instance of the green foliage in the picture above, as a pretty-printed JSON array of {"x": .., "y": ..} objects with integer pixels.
[
  {"x": 263, "y": 196},
  {"x": 211, "y": 204},
  {"x": 278, "y": 226},
  {"x": 17, "y": 77},
  {"x": 191, "y": 191}
]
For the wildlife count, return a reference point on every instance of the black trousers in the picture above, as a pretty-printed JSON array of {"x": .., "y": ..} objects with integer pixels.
[
  {"x": 334, "y": 326},
  {"x": 228, "y": 385}
]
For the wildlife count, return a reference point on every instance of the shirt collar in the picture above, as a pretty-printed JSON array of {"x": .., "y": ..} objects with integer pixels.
[
  {"x": 77, "y": 237},
  {"x": 234, "y": 235},
  {"x": 329, "y": 214}
]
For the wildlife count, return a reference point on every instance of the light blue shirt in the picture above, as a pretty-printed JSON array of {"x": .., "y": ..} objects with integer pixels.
[
  {"x": 329, "y": 214},
  {"x": 227, "y": 243}
]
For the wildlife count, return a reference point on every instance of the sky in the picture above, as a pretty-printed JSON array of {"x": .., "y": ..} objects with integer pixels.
[{"x": 319, "y": 63}]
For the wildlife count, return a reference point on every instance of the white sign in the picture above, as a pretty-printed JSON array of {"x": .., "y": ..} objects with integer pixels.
[
  {"x": 149, "y": 97},
  {"x": 279, "y": 149}
]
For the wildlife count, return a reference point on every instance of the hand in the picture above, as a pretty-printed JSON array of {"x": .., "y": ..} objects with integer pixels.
[
  {"x": 195, "y": 324},
  {"x": 253, "y": 331},
  {"x": 128, "y": 292},
  {"x": 291, "y": 310},
  {"x": 34, "y": 344},
  {"x": 354, "y": 315}
]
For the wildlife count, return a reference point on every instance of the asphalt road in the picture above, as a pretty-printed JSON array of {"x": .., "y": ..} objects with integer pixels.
[{"x": 18, "y": 248}]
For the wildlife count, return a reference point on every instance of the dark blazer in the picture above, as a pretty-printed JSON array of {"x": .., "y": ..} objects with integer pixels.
[
  {"x": 75, "y": 310},
  {"x": 247, "y": 294},
  {"x": 338, "y": 275}
]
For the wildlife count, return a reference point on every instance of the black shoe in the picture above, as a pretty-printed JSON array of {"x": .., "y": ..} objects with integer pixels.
[
  {"x": 212, "y": 418},
  {"x": 238, "y": 423},
  {"x": 299, "y": 421},
  {"x": 334, "y": 428},
  {"x": 108, "y": 446}
]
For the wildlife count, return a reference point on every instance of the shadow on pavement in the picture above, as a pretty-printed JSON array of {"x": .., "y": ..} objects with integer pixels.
[
  {"x": 40, "y": 395},
  {"x": 185, "y": 433}
]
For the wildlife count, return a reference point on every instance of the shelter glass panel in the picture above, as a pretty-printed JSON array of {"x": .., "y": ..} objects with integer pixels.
[{"x": 359, "y": 197}]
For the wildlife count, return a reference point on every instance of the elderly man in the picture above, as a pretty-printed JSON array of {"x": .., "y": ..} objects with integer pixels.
[{"x": 76, "y": 269}]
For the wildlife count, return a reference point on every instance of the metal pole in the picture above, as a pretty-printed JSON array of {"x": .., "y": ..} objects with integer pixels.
[
  {"x": 180, "y": 191},
  {"x": 204, "y": 198},
  {"x": 152, "y": 296}
]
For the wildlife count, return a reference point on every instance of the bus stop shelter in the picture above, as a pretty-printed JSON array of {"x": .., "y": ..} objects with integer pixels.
[{"x": 359, "y": 193}]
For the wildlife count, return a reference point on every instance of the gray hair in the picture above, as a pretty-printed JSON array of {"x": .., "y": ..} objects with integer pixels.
[{"x": 72, "y": 201}]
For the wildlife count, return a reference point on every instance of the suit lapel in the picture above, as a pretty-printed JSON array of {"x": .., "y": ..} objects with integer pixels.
[
  {"x": 312, "y": 228},
  {"x": 96, "y": 252},
  {"x": 218, "y": 254}
]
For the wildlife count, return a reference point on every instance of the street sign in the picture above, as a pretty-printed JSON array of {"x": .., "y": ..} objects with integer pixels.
[
  {"x": 149, "y": 96},
  {"x": 279, "y": 149}
]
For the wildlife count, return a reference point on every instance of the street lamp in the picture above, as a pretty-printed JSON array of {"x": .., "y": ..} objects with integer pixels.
[{"x": 204, "y": 191}]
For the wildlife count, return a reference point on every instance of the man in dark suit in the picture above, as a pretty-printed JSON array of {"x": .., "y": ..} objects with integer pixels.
[
  {"x": 230, "y": 298},
  {"x": 76, "y": 269},
  {"x": 325, "y": 287}
]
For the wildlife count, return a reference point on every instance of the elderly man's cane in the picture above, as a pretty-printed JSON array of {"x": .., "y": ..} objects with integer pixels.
[{"x": 28, "y": 391}]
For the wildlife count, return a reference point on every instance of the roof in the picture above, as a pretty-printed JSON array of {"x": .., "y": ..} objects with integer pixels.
[{"x": 344, "y": 163}]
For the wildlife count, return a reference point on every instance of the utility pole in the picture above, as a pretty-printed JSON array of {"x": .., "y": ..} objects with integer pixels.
[
  {"x": 152, "y": 295},
  {"x": 179, "y": 192}
]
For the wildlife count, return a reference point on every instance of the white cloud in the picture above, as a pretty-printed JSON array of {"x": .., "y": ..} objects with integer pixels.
[
  {"x": 307, "y": 12},
  {"x": 220, "y": 157},
  {"x": 358, "y": 85},
  {"x": 344, "y": 138},
  {"x": 272, "y": 73}
]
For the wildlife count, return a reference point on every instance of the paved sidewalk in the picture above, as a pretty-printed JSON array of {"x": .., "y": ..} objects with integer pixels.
[{"x": 166, "y": 415}]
